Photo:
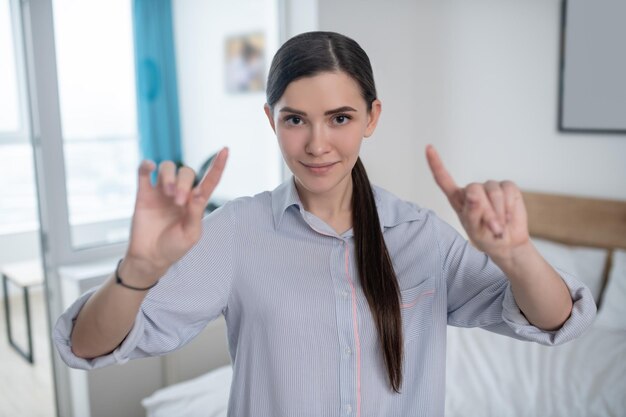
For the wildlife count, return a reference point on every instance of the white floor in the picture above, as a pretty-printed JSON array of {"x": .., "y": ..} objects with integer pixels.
[{"x": 26, "y": 390}]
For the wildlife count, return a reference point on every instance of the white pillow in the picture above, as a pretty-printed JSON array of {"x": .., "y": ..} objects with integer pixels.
[
  {"x": 204, "y": 396},
  {"x": 586, "y": 264},
  {"x": 613, "y": 311}
]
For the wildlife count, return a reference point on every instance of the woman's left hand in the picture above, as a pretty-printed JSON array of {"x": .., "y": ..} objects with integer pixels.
[{"x": 493, "y": 214}]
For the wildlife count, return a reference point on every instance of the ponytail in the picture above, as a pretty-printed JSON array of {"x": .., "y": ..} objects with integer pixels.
[{"x": 378, "y": 278}]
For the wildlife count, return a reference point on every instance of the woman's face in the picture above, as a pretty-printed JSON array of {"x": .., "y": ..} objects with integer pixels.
[{"x": 320, "y": 122}]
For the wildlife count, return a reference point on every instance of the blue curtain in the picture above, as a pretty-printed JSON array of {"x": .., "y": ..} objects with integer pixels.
[{"x": 157, "y": 95}]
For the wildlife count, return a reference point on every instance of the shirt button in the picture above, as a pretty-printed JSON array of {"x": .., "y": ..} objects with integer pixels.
[
  {"x": 348, "y": 351},
  {"x": 348, "y": 408},
  {"x": 345, "y": 294}
]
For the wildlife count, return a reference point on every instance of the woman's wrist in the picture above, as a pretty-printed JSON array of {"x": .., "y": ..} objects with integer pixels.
[
  {"x": 517, "y": 259},
  {"x": 139, "y": 273}
]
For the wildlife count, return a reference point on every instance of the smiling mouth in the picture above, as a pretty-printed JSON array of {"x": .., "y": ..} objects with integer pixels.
[
  {"x": 319, "y": 169},
  {"x": 326, "y": 165}
]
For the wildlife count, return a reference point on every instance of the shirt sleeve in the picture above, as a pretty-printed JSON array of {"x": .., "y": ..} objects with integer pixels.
[
  {"x": 479, "y": 294},
  {"x": 193, "y": 292}
]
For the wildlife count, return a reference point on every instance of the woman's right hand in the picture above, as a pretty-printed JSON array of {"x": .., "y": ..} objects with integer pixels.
[{"x": 167, "y": 220}]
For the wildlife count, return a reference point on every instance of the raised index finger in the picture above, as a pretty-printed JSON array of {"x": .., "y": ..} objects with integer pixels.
[
  {"x": 440, "y": 173},
  {"x": 213, "y": 175}
]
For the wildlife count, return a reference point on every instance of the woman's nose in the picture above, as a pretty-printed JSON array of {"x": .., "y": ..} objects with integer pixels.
[{"x": 318, "y": 143}]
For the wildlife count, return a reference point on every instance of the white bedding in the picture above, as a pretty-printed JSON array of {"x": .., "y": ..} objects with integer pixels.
[
  {"x": 491, "y": 375},
  {"x": 205, "y": 396},
  {"x": 487, "y": 375}
]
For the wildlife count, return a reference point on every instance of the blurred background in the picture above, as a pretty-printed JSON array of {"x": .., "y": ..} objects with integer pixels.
[{"x": 88, "y": 88}]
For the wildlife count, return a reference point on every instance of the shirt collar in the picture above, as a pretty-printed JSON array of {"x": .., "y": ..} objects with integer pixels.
[
  {"x": 391, "y": 210},
  {"x": 283, "y": 197}
]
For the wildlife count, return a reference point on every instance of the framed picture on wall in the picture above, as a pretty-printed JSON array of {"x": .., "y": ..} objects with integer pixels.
[
  {"x": 593, "y": 67},
  {"x": 245, "y": 63}
]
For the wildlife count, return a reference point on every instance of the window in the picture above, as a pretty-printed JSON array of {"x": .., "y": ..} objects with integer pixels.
[
  {"x": 98, "y": 114},
  {"x": 18, "y": 205},
  {"x": 95, "y": 66},
  {"x": 10, "y": 120}
]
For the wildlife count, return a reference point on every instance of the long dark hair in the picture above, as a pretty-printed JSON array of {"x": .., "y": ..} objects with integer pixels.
[{"x": 307, "y": 55}]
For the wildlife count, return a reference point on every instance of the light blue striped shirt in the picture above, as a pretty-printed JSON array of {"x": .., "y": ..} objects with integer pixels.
[{"x": 301, "y": 337}]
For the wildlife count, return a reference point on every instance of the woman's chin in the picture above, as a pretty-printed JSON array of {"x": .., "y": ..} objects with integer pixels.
[{"x": 318, "y": 185}]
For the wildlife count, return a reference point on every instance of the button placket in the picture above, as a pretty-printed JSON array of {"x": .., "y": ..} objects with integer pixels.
[{"x": 345, "y": 321}]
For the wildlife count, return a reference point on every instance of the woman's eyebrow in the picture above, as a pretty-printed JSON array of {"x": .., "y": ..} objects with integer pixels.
[
  {"x": 291, "y": 110},
  {"x": 342, "y": 109},
  {"x": 339, "y": 110}
]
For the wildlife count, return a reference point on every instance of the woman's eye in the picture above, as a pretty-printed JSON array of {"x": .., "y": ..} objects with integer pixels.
[
  {"x": 293, "y": 120},
  {"x": 341, "y": 119}
]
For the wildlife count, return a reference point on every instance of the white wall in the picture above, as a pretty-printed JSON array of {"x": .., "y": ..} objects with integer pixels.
[
  {"x": 298, "y": 16},
  {"x": 212, "y": 118},
  {"x": 479, "y": 80}
]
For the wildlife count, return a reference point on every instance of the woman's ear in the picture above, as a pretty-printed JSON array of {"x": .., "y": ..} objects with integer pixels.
[
  {"x": 374, "y": 115},
  {"x": 268, "y": 113}
]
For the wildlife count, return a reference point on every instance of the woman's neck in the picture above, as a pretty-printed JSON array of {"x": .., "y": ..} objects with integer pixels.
[{"x": 334, "y": 206}]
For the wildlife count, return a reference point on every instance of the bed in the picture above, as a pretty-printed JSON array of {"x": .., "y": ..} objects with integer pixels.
[{"x": 491, "y": 375}]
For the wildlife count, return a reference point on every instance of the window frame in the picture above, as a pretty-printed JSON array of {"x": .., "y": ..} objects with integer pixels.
[{"x": 21, "y": 134}]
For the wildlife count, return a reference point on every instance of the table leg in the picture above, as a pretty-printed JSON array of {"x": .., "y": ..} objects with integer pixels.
[
  {"x": 26, "y": 354},
  {"x": 7, "y": 308},
  {"x": 29, "y": 331}
]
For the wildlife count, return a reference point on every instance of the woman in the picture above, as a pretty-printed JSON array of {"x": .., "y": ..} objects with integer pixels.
[{"x": 336, "y": 294}]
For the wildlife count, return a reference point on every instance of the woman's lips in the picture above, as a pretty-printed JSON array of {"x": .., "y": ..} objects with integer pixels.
[{"x": 319, "y": 168}]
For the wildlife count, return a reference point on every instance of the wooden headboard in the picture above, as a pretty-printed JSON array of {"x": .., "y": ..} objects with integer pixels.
[{"x": 578, "y": 221}]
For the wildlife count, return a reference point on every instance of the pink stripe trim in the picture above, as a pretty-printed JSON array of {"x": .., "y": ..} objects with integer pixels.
[
  {"x": 356, "y": 336},
  {"x": 425, "y": 293}
]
